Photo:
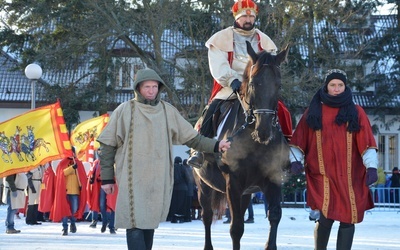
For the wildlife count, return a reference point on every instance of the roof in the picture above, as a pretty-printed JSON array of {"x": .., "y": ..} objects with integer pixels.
[{"x": 14, "y": 85}]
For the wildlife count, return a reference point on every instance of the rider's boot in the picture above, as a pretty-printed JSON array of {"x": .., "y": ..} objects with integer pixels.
[{"x": 196, "y": 159}]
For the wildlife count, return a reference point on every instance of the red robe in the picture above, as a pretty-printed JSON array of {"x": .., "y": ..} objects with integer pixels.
[
  {"x": 61, "y": 206},
  {"x": 47, "y": 190},
  {"x": 93, "y": 190},
  {"x": 334, "y": 168}
]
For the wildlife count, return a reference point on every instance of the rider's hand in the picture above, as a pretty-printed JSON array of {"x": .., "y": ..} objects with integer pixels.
[{"x": 235, "y": 85}]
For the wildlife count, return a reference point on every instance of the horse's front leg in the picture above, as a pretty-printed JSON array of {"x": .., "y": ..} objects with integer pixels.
[
  {"x": 237, "y": 209},
  {"x": 274, "y": 214},
  {"x": 206, "y": 214}
]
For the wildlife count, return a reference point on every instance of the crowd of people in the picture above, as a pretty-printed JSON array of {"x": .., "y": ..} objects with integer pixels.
[{"x": 60, "y": 191}]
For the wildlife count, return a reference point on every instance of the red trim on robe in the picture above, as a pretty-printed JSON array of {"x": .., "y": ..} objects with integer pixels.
[{"x": 216, "y": 86}]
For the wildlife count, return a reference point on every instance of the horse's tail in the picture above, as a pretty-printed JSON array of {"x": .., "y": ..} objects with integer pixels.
[{"x": 218, "y": 204}]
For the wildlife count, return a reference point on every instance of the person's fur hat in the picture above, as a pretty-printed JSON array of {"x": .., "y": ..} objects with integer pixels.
[
  {"x": 335, "y": 74},
  {"x": 243, "y": 8}
]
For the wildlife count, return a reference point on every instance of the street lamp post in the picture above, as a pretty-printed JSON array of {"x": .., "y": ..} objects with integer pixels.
[{"x": 33, "y": 72}]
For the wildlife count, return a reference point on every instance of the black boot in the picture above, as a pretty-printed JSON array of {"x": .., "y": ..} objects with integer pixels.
[
  {"x": 103, "y": 228},
  {"x": 72, "y": 228},
  {"x": 93, "y": 224},
  {"x": 321, "y": 236},
  {"x": 196, "y": 159},
  {"x": 345, "y": 237}
]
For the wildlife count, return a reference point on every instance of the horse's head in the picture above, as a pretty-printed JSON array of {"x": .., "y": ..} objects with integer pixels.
[{"x": 260, "y": 91}]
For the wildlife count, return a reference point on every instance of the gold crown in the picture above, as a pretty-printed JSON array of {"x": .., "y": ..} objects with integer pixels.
[{"x": 244, "y": 7}]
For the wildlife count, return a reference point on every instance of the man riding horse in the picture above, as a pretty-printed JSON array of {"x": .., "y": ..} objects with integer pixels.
[{"x": 227, "y": 56}]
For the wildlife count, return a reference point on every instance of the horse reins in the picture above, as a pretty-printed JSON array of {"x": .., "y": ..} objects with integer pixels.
[{"x": 250, "y": 112}]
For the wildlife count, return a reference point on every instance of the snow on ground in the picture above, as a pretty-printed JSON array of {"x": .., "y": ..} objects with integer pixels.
[{"x": 379, "y": 231}]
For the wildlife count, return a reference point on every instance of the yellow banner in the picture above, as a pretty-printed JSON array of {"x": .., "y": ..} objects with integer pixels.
[
  {"x": 33, "y": 138},
  {"x": 86, "y": 133}
]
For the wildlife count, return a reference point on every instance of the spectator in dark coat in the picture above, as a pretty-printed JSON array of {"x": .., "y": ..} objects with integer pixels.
[
  {"x": 191, "y": 188},
  {"x": 178, "y": 201},
  {"x": 395, "y": 184}
]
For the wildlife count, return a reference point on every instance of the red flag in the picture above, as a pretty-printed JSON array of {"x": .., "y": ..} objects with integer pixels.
[{"x": 33, "y": 138}]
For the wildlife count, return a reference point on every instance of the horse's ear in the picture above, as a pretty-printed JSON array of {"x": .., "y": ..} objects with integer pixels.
[
  {"x": 282, "y": 56},
  {"x": 251, "y": 52}
]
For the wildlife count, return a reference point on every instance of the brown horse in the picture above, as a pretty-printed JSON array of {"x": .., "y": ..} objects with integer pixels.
[{"x": 257, "y": 157}]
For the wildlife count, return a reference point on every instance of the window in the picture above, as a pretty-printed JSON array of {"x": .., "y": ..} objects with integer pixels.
[
  {"x": 125, "y": 70},
  {"x": 388, "y": 151}
]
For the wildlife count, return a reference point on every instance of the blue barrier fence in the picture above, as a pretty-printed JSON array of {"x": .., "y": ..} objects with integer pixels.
[{"x": 385, "y": 199}]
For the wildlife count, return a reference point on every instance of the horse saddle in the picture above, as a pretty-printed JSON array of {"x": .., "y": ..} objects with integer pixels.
[{"x": 221, "y": 115}]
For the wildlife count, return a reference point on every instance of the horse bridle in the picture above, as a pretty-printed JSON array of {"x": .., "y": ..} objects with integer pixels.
[{"x": 250, "y": 113}]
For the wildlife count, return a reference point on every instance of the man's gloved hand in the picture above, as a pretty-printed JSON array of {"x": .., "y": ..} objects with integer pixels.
[
  {"x": 296, "y": 167},
  {"x": 14, "y": 194},
  {"x": 235, "y": 85},
  {"x": 372, "y": 176},
  {"x": 75, "y": 166}
]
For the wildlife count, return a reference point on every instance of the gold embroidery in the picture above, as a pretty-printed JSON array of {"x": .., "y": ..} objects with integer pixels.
[
  {"x": 130, "y": 164},
  {"x": 352, "y": 196},
  {"x": 325, "y": 203}
]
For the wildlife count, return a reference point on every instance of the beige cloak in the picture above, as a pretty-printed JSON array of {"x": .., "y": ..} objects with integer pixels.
[{"x": 144, "y": 160}]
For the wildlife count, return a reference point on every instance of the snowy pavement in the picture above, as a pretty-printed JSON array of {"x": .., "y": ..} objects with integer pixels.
[{"x": 379, "y": 231}]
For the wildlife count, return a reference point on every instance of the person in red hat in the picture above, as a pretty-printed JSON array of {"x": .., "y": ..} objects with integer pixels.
[
  {"x": 227, "y": 57},
  {"x": 334, "y": 139}
]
